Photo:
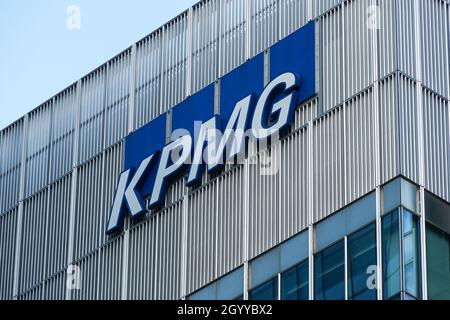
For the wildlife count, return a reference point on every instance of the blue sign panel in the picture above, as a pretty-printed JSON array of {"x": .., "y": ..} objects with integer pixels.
[
  {"x": 196, "y": 108},
  {"x": 247, "y": 107},
  {"x": 239, "y": 83},
  {"x": 296, "y": 53}
]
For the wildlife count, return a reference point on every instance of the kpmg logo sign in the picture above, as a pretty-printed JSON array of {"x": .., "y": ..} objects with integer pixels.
[{"x": 202, "y": 138}]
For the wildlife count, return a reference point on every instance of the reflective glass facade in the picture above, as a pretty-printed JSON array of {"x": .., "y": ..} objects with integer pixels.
[{"x": 346, "y": 258}]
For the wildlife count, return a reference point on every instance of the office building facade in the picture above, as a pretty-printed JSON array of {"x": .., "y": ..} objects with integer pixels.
[{"x": 353, "y": 202}]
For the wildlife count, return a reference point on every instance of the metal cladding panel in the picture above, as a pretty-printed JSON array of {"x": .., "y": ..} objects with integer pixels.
[
  {"x": 141, "y": 261},
  {"x": 169, "y": 253},
  {"x": 174, "y": 60},
  {"x": 434, "y": 42},
  {"x": 57, "y": 225},
  {"x": 92, "y": 109},
  {"x": 387, "y": 37},
  {"x": 89, "y": 277},
  {"x": 359, "y": 155},
  {"x": 117, "y": 99},
  {"x": 330, "y": 26},
  {"x": 406, "y": 38},
  {"x": 148, "y": 79},
  {"x": 110, "y": 260},
  {"x": 11, "y": 141},
  {"x": 205, "y": 43},
  {"x": 96, "y": 186},
  {"x": 407, "y": 128},
  {"x": 436, "y": 144},
  {"x": 328, "y": 164},
  {"x": 38, "y": 149},
  {"x": 357, "y": 47},
  {"x": 389, "y": 143},
  {"x": 33, "y": 243},
  {"x": 233, "y": 30},
  {"x": 321, "y": 6},
  {"x": 88, "y": 208},
  {"x": 201, "y": 240},
  {"x": 8, "y": 230},
  {"x": 154, "y": 263},
  {"x": 54, "y": 288},
  {"x": 293, "y": 15},
  {"x": 264, "y": 24},
  {"x": 63, "y": 132},
  {"x": 293, "y": 180},
  {"x": 305, "y": 113},
  {"x": 264, "y": 201},
  {"x": 112, "y": 167},
  {"x": 230, "y": 220}
]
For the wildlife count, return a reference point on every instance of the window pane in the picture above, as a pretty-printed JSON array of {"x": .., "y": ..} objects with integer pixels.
[
  {"x": 267, "y": 291},
  {"x": 438, "y": 263},
  {"x": 329, "y": 273},
  {"x": 411, "y": 254},
  {"x": 362, "y": 255},
  {"x": 294, "y": 283},
  {"x": 391, "y": 255}
]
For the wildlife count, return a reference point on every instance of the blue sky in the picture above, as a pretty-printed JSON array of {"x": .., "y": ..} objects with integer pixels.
[{"x": 40, "y": 55}]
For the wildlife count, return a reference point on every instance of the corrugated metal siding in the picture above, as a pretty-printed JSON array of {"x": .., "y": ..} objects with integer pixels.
[
  {"x": 155, "y": 256},
  {"x": 264, "y": 24},
  {"x": 33, "y": 243},
  {"x": 435, "y": 56},
  {"x": 175, "y": 38},
  {"x": 205, "y": 43},
  {"x": 357, "y": 48},
  {"x": 57, "y": 225},
  {"x": 233, "y": 30},
  {"x": 91, "y": 114},
  {"x": 293, "y": 15},
  {"x": 38, "y": 149},
  {"x": 8, "y": 227},
  {"x": 11, "y": 141},
  {"x": 110, "y": 258},
  {"x": 293, "y": 180},
  {"x": 148, "y": 79},
  {"x": 96, "y": 186},
  {"x": 89, "y": 277},
  {"x": 141, "y": 263},
  {"x": 201, "y": 226},
  {"x": 63, "y": 132},
  {"x": 230, "y": 220},
  {"x": 331, "y": 75},
  {"x": 264, "y": 201},
  {"x": 436, "y": 144},
  {"x": 389, "y": 143},
  {"x": 405, "y": 36},
  {"x": 407, "y": 128},
  {"x": 328, "y": 164},
  {"x": 117, "y": 96},
  {"x": 359, "y": 155},
  {"x": 321, "y": 6}
]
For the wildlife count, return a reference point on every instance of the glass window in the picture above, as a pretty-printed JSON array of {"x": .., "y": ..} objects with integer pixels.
[
  {"x": 295, "y": 283},
  {"x": 362, "y": 256},
  {"x": 401, "y": 255},
  {"x": 391, "y": 255},
  {"x": 265, "y": 267},
  {"x": 329, "y": 273},
  {"x": 266, "y": 291},
  {"x": 229, "y": 287},
  {"x": 411, "y": 254},
  {"x": 438, "y": 263}
]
